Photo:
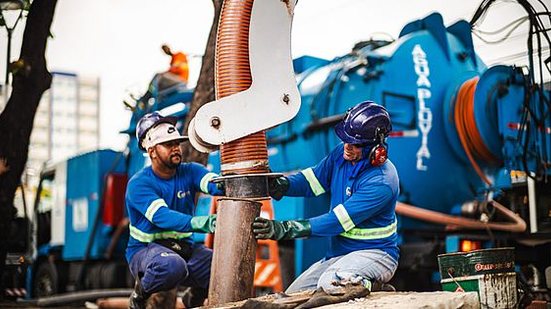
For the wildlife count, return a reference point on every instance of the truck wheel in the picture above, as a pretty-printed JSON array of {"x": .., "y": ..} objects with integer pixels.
[{"x": 46, "y": 280}]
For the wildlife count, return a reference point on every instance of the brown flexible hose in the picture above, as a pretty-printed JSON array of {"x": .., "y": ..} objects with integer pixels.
[
  {"x": 233, "y": 75},
  {"x": 467, "y": 130},
  {"x": 517, "y": 224}
]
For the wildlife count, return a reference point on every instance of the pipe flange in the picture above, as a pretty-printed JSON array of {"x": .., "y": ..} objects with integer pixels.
[{"x": 247, "y": 185}]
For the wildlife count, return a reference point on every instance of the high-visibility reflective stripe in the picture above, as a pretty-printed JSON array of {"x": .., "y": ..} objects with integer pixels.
[
  {"x": 153, "y": 207},
  {"x": 205, "y": 182},
  {"x": 371, "y": 233},
  {"x": 344, "y": 218},
  {"x": 313, "y": 181},
  {"x": 149, "y": 237}
]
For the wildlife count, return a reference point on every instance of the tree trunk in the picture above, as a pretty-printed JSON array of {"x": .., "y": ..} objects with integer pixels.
[
  {"x": 204, "y": 91},
  {"x": 16, "y": 121}
]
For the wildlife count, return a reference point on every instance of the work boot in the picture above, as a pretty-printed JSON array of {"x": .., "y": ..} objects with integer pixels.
[
  {"x": 194, "y": 297},
  {"x": 379, "y": 286},
  {"x": 138, "y": 298}
]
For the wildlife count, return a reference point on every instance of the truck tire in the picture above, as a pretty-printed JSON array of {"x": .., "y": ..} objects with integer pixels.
[{"x": 46, "y": 280}]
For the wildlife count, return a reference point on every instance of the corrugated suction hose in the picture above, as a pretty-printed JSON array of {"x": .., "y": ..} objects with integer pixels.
[{"x": 232, "y": 73}]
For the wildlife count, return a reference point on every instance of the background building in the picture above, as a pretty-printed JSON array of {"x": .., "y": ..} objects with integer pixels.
[{"x": 67, "y": 120}]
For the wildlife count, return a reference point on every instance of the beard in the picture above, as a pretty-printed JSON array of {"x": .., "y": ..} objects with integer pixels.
[{"x": 173, "y": 161}]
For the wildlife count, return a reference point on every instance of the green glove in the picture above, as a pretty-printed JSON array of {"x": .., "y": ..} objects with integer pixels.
[
  {"x": 276, "y": 230},
  {"x": 278, "y": 187},
  {"x": 203, "y": 224}
]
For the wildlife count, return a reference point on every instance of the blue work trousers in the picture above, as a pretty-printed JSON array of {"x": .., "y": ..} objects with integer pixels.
[
  {"x": 364, "y": 266},
  {"x": 161, "y": 269}
]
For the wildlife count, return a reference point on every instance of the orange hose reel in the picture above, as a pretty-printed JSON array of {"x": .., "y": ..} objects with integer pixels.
[{"x": 467, "y": 130}]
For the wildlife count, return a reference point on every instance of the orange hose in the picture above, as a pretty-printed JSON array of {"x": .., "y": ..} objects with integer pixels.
[
  {"x": 517, "y": 224},
  {"x": 467, "y": 130},
  {"x": 233, "y": 75}
]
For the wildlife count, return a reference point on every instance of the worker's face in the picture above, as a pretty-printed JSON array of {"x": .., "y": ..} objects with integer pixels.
[
  {"x": 352, "y": 152},
  {"x": 168, "y": 154}
]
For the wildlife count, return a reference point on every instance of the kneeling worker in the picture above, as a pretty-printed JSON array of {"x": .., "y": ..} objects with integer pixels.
[
  {"x": 361, "y": 223},
  {"x": 160, "y": 203}
]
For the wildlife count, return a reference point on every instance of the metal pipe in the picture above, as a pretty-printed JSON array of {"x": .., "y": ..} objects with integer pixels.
[
  {"x": 532, "y": 209},
  {"x": 232, "y": 272},
  {"x": 8, "y": 56},
  {"x": 234, "y": 251}
]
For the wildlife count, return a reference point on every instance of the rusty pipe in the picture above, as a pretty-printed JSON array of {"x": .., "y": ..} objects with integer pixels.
[
  {"x": 517, "y": 224},
  {"x": 235, "y": 251}
]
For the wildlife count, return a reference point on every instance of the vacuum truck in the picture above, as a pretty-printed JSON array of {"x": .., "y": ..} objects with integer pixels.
[{"x": 471, "y": 143}]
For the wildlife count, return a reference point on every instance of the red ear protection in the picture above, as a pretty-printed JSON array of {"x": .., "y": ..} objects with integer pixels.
[{"x": 378, "y": 155}]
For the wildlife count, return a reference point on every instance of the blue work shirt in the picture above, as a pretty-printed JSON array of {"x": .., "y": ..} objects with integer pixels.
[
  {"x": 363, "y": 201},
  {"x": 162, "y": 208}
]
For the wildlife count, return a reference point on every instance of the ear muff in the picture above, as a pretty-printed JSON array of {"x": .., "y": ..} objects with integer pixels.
[{"x": 378, "y": 155}]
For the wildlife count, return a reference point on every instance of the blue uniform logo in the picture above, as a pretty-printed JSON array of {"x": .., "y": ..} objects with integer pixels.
[
  {"x": 348, "y": 191},
  {"x": 182, "y": 194}
]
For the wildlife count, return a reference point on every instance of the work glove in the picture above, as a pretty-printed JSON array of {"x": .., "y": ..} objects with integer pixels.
[
  {"x": 203, "y": 224},
  {"x": 277, "y": 187},
  {"x": 277, "y": 230}
]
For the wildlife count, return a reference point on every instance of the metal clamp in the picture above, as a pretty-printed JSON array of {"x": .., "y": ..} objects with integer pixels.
[
  {"x": 273, "y": 97},
  {"x": 247, "y": 185}
]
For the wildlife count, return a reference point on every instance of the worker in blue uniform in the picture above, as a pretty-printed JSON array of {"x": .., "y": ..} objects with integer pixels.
[
  {"x": 361, "y": 223},
  {"x": 160, "y": 203}
]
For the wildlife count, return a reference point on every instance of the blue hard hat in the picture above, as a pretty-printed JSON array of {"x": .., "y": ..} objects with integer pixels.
[
  {"x": 364, "y": 124},
  {"x": 149, "y": 121}
]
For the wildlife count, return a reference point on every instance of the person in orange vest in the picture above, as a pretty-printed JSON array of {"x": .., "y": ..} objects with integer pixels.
[
  {"x": 177, "y": 74},
  {"x": 178, "y": 64}
]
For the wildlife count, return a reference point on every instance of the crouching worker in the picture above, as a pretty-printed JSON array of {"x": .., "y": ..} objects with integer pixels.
[
  {"x": 160, "y": 203},
  {"x": 361, "y": 223}
]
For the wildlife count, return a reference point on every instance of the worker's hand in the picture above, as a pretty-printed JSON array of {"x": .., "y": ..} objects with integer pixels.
[
  {"x": 203, "y": 224},
  {"x": 221, "y": 186},
  {"x": 267, "y": 229},
  {"x": 272, "y": 229},
  {"x": 277, "y": 187}
]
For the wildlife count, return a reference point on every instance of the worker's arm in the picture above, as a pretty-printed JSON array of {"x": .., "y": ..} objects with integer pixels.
[
  {"x": 202, "y": 180},
  {"x": 142, "y": 197},
  {"x": 366, "y": 202},
  {"x": 176, "y": 221},
  {"x": 312, "y": 181},
  {"x": 363, "y": 204}
]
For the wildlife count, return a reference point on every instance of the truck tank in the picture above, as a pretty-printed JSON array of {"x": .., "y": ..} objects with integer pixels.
[{"x": 418, "y": 79}]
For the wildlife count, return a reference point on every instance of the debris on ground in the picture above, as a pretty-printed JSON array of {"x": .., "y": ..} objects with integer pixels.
[{"x": 379, "y": 300}]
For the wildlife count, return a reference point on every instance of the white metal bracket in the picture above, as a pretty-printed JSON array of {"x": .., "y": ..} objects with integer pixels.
[{"x": 273, "y": 97}]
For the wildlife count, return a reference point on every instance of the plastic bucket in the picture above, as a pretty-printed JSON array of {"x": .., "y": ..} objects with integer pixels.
[{"x": 490, "y": 272}]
